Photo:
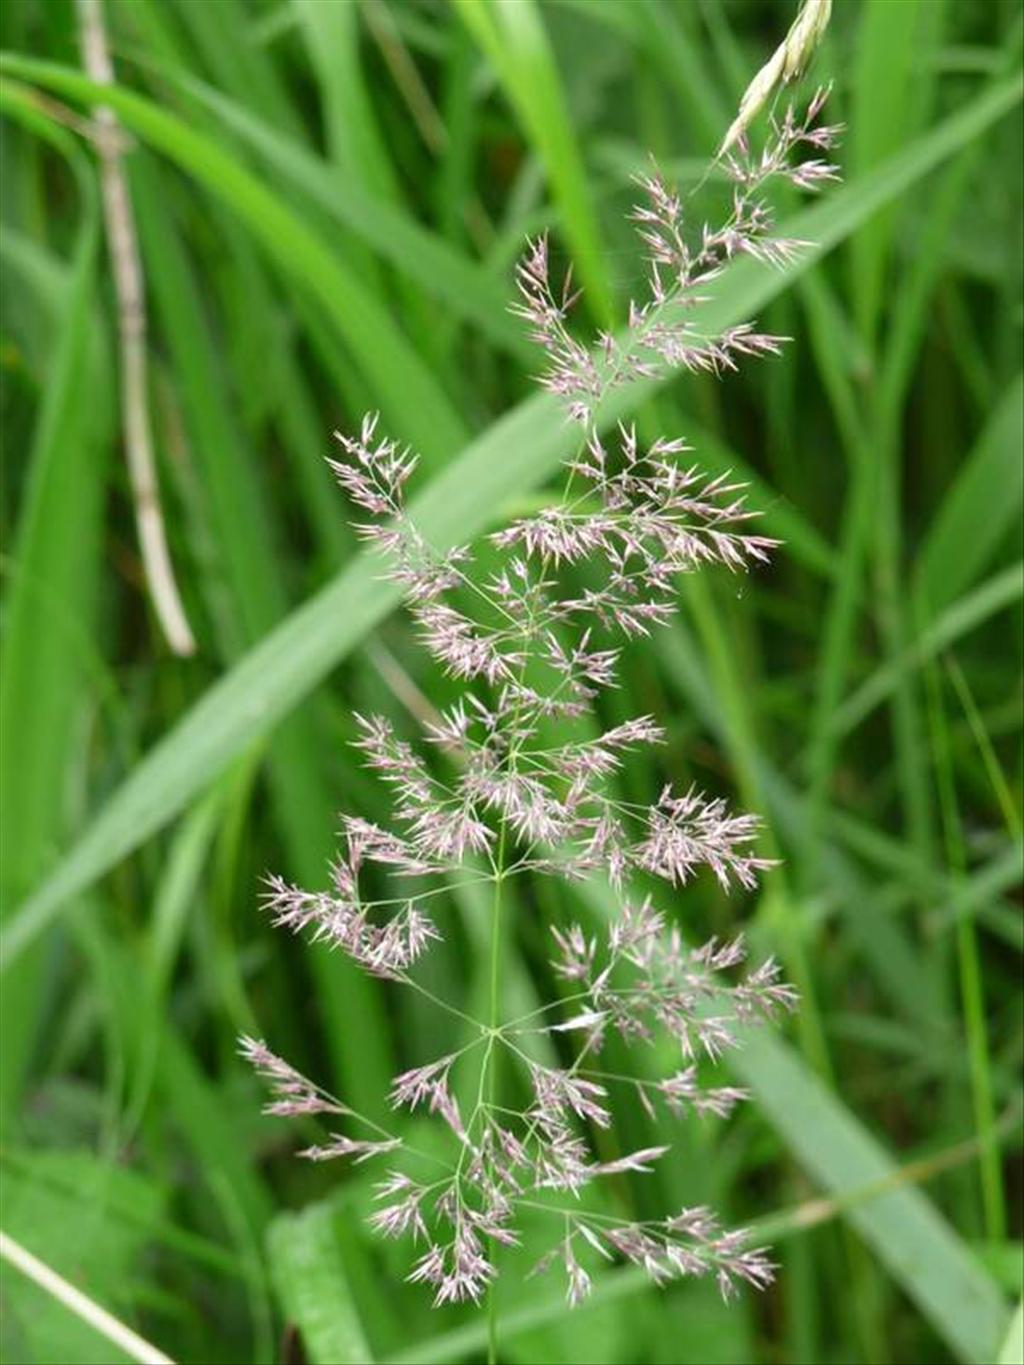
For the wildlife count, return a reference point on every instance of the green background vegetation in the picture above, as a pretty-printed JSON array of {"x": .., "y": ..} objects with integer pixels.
[{"x": 329, "y": 198}]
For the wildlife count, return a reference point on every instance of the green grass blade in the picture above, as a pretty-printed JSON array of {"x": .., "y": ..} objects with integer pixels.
[
  {"x": 52, "y": 579},
  {"x": 972, "y": 984},
  {"x": 241, "y": 66},
  {"x": 888, "y": 92},
  {"x": 996, "y": 776},
  {"x": 1012, "y": 1350},
  {"x": 413, "y": 403},
  {"x": 888, "y": 106},
  {"x": 65, "y": 1224},
  {"x": 979, "y": 509},
  {"x": 364, "y": 160},
  {"x": 313, "y": 1287},
  {"x": 175, "y": 899},
  {"x": 354, "y": 140},
  {"x": 212, "y": 1129},
  {"x": 246, "y": 535},
  {"x": 512, "y": 34},
  {"x": 426, "y": 259},
  {"x": 665, "y": 33},
  {"x": 966, "y": 614},
  {"x": 905, "y": 1231}
]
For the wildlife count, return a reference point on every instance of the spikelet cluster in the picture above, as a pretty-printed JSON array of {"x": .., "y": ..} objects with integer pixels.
[{"x": 515, "y": 787}]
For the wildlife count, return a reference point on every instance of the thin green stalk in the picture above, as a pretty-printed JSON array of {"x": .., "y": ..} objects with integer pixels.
[
  {"x": 492, "y": 1080},
  {"x": 972, "y": 992},
  {"x": 777, "y": 903},
  {"x": 973, "y": 996},
  {"x": 996, "y": 776}
]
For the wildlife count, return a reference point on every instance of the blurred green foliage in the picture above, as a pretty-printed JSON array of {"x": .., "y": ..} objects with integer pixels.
[{"x": 330, "y": 195}]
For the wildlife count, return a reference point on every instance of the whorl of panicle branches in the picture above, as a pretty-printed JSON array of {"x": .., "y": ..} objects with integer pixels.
[{"x": 534, "y": 638}]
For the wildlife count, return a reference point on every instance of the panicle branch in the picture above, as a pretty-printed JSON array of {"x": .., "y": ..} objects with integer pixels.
[{"x": 663, "y": 332}]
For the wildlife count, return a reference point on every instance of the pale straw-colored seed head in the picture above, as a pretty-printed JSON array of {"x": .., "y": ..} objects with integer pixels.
[{"x": 787, "y": 63}]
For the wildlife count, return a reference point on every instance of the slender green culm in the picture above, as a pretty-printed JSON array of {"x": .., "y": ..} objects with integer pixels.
[{"x": 972, "y": 990}]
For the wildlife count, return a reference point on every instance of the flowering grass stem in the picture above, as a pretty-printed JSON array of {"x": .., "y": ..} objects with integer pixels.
[{"x": 534, "y": 634}]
